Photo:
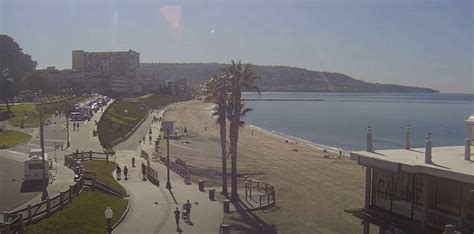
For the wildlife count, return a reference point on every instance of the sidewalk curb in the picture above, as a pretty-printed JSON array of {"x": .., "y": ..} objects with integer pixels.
[{"x": 124, "y": 215}]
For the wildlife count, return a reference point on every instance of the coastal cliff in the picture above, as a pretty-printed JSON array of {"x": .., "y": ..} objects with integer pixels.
[{"x": 279, "y": 78}]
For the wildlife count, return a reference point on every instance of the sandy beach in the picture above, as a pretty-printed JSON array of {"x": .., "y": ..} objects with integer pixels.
[{"x": 313, "y": 188}]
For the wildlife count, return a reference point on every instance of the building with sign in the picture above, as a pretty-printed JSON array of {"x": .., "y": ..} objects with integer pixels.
[{"x": 425, "y": 190}]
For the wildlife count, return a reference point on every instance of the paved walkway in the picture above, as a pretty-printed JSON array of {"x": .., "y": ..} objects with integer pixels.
[
  {"x": 63, "y": 177},
  {"x": 152, "y": 207}
]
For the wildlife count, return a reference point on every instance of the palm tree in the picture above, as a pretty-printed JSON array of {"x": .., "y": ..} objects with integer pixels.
[
  {"x": 240, "y": 76},
  {"x": 216, "y": 90}
]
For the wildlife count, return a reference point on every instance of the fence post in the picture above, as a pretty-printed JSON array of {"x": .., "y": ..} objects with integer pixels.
[
  {"x": 6, "y": 220},
  {"x": 260, "y": 197},
  {"x": 107, "y": 157},
  {"x": 82, "y": 155},
  {"x": 70, "y": 193},
  {"x": 250, "y": 188},
  {"x": 29, "y": 214},
  {"x": 246, "y": 189},
  {"x": 22, "y": 225},
  {"x": 48, "y": 205},
  {"x": 61, "y": 200},
  {"x": 268, "y": 197},
  {"x": 90, "y": 156}
]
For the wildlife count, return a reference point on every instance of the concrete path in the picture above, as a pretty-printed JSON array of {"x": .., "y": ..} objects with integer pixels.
[
  {"x": 11, "y": 197},
  {"x": 152, "y": 207}
]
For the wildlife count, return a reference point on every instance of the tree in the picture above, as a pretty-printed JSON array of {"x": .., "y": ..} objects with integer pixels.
[
  {"x": 14, "y": 67},
  {"x": 12, "y": 58},
  {"x": 37, "y": 84},
  {"x": 240, "y": 76},
  {"x": 217, "y": 90},
  {"x": 8, "y": 91}
]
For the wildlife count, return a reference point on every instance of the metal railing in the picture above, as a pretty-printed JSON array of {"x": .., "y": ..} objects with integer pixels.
[
  {"x": 439, "y": 220},
  {"x": 258, "y": 193}
]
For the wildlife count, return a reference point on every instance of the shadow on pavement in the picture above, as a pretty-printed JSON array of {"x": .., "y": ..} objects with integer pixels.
[
  {"x": 30, "y": 186},
  {"x": 256, "y": 222}
]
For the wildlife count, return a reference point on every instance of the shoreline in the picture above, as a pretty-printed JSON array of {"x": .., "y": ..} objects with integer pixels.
[
  {"x": 307, "y": 180},
  {"x": 285, "y": 136}
]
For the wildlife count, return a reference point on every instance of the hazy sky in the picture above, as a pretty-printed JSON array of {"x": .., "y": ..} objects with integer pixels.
[{"x": 422, "y": 43}]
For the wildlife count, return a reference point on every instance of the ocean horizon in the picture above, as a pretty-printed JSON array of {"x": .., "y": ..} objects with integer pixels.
[{"x": 340, "y": 120}]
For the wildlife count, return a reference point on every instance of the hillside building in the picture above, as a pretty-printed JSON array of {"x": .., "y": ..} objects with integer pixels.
[{"x": 121, "y": 67}]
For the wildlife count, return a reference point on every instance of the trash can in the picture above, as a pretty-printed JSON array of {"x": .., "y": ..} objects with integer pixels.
[
  {"x": 225, "y": 228},
  {"x": 212, "y": 194},
  {"x": 201, "y": 185},
  {"x": 226, "y": 206}
]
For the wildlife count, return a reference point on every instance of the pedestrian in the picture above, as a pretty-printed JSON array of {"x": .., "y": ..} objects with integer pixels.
[
  {"x": 77, "y": 126},
  {"x": 187, "y": 207},
  {"x": 125, "y": 172},
  {"x": 176, "y": 215},
  {"x": 143, "y": 171},
  {"x": 133, "y": 162},
  {"x": 118, "y": 171},
  {"x": 150, "y": 138}
]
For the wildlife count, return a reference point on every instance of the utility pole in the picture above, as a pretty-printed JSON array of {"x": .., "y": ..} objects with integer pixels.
[
  {"x": 168, "y": 183},
  {"x": 67, "y": 121},
  {"x": 44, "y": 194}
]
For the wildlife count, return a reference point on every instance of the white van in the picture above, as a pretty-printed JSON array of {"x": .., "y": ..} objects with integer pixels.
[{"x": 34, "y": 166}]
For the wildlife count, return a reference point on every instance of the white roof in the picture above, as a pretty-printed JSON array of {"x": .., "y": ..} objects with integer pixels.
[
  {"x": 448, "y": 162},
  {"x": 37, "y": 158},
  {"x": 470, "y": 120}
]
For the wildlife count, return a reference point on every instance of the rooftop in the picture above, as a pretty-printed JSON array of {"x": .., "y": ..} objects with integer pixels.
[{"x": 447, "y": 162}]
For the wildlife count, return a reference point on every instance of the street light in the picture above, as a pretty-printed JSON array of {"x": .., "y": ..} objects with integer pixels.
[
  {"x": 44, "y": 193},
  {"x": 167, "y": 126},
  {"x": 109, "y": 213}
]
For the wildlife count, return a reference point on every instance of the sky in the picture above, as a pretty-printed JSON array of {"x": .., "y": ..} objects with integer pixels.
[{"x": 427, "y": 43}]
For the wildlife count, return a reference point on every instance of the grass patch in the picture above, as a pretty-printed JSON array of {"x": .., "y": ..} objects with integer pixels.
[
  {"x": 84, "y": 215},
  {"x": 10, "y": 138},
  {"x": 103, "y": 172},
  {"x": 119, "y": 119},
  {"x": 123, "y": 115},
  {"x": 31, "y": 110},
  {"x": 160, "y": 101}
]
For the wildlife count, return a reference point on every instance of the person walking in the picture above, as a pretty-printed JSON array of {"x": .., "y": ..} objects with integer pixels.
[
  {"x": 187, "y": 207},
  {"x": 118, "y": 170},
  {"x": 143, "y": 171},
  {"x": 125, "y": 172},
  {"x": 133, "y": 162},
  {"x": 176, "y": 215}
]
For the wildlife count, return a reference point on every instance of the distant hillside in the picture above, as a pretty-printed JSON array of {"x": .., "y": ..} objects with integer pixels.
[{"x": 279, "y": 78}]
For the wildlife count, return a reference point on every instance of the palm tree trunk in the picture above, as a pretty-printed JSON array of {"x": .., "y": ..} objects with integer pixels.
[
  {"x": 234, "y": 131},
  {"x": 234, "y": 138},
  {"x": 222, "y": 127}
]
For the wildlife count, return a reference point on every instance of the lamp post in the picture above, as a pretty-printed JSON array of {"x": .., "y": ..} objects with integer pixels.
[
  {"x": 109, "y": 213},
  {"x": 44, "y": 193},
  {"x": 168, "y": 183},
  {"x": 67, "y": 121}
]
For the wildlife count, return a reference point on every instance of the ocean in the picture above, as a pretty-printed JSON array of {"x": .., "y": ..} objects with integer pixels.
[{"x": 341, "y": 119}]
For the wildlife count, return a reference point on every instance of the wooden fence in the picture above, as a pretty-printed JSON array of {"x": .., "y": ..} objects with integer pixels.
[
  {"x": 179, "y": 167},
  {"x": 14, "y": 221},
  {"x": 259, "y": 194}
]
